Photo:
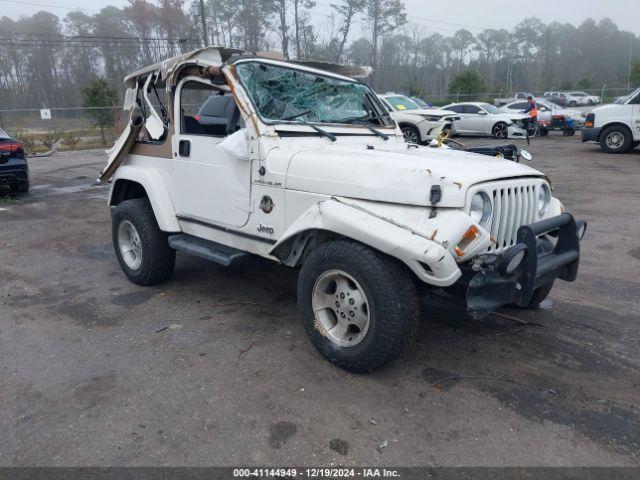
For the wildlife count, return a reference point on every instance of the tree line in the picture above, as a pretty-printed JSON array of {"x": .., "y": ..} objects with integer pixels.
[{"x": 46, "y": 60}]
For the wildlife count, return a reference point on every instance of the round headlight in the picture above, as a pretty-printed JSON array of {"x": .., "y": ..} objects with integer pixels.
[
  {"x": 544, "y": 197},
  {"x": 481, "y": 209}
]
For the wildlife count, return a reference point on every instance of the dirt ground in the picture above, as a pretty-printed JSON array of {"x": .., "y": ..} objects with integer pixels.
[{"x": 213, "y": 367}]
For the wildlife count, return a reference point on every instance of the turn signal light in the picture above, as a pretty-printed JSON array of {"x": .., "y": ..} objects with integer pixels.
[
  {"x": 467, "y": 239},
  {"x": 590, "y": 120}
]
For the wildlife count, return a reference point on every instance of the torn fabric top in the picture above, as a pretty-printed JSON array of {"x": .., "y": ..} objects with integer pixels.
[{"x": 209, "y": 56}]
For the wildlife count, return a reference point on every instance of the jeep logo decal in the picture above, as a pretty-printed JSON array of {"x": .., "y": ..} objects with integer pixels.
[{"x": 266, "y": 229}]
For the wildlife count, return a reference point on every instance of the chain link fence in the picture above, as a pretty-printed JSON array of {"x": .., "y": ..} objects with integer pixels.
[
  {"x": 98, "y": 127},
  {"x": 72, "y": 128}
]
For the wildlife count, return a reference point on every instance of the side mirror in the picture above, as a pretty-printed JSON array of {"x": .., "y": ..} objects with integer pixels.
[
  {"x": 482, "y": 112},
  {"x": 526, "y": 155}
]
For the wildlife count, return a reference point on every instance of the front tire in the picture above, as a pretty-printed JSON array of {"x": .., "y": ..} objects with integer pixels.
[
  {"x": 500, "y": 130},
  {"x": 141, "y": 247},
  {"x": 360, "y": 307},
  {"x": 616, "y": 139},
  {"x": 539, "y": 295},
  {"x": 411, "y": 134}
]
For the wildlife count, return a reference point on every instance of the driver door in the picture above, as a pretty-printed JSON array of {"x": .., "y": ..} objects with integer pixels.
[{"x": 210, "y": 185}]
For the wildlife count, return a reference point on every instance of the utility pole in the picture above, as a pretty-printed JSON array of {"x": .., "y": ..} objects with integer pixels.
[
  {"x": 203, "y": 19},
  {"x": 631, "y": 37}
]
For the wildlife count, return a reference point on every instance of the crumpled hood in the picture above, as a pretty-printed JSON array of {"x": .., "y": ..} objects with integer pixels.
[{"x": 396, "y": 173}]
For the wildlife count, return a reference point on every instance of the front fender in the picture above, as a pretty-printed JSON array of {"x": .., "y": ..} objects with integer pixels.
[
  {"x": 428, "y": 259},
  {"x": 156, "y": 191}
]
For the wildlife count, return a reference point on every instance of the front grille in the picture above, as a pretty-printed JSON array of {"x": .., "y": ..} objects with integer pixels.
[{"x": 514, "y": 205}]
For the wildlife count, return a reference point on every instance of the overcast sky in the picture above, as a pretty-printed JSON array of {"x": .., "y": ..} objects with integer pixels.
[{"x": 433, "y": 15}]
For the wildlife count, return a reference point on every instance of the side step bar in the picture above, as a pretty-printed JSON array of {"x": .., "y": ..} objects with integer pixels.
[{"x": 206, "y": 249}]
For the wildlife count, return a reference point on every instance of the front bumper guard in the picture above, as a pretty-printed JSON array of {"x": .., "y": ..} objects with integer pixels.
[{"x": 543, "y": 262}]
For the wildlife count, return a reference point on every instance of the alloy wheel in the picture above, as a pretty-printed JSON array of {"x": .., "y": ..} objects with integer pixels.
[
  {"x": 341, "y": 308},
  {"x": 130, "y": 245}
]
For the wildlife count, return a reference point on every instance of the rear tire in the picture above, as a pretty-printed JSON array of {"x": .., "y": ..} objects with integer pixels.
[
  {"x": 20, "y": 187},
  {"x": 616, "y": 139},
  {"x": 141, "y": 247},
  {"x": 360, "y": 308}
]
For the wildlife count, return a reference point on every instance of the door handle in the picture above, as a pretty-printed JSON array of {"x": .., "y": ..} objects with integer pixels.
[{"x": 184, "y": 148}]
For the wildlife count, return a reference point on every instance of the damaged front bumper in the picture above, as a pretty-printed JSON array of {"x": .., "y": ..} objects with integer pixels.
[
  {"x": 515, "y": 131},
  {"x": 492, "y": 282}
]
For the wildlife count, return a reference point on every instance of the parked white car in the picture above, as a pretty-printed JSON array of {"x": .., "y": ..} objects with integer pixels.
[
  {"x": 477, "y": 118},
  {"x": 581, "y": 99},
  {"x": 546, "y": 111},
  {"x": 418, "y": 124},
  {"x": 522, "y": 95},
  {"x": 317, "y": 176},
  {"x": 616, "y": 126}
]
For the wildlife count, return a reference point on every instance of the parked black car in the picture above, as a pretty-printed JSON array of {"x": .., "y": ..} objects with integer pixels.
[{"x": 14, "y": 170}]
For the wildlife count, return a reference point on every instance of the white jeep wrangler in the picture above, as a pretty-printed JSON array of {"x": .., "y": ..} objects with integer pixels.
[{"x": 229, "y": 154}]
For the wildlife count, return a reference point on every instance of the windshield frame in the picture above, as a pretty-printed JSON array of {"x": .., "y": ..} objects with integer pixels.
[{"x": 382, "y": 111}]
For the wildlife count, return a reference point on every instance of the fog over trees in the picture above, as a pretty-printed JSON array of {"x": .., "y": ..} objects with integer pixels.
[{"x": 46, "y": 60}]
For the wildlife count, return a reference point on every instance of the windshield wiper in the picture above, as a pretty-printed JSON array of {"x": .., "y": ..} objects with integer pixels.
[
  {"x": 364, "y": 121},
  {"x": 322, "y": 132},
  {"x": 364, "y": 118},
  {"x": 293, "y": 117},
  {"x": 378, "y": 133}
]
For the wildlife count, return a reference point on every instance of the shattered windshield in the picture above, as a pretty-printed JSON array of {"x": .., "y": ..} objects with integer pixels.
[{"x": 286, "y": 94}]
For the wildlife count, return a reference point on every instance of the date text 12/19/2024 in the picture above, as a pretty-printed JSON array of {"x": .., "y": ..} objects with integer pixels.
[{"x": 315, "y": 473}]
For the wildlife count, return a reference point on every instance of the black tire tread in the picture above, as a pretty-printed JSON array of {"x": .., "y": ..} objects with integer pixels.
[
  {"x": 158, "y": 258},
  {"x": 493, "y": 129},
  {"x": 414, "y": 129},
  {"x": 396, "y": 303},
  {"x": 539, "y": 295},
  {"x": 628, "y": 139}
]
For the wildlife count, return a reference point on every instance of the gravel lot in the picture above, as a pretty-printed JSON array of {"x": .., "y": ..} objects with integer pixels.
[{"x": 214, "y": 368}]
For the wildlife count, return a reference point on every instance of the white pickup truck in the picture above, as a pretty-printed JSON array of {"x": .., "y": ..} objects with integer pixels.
[
  {"x": 304, "y": 166},
  {"x": 616, "y": 126}
]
